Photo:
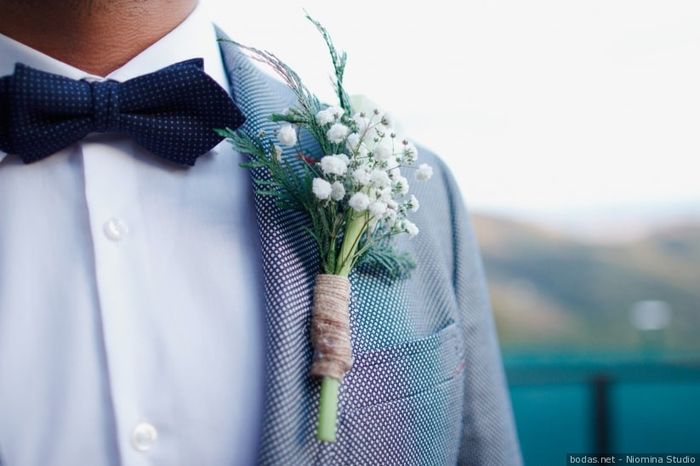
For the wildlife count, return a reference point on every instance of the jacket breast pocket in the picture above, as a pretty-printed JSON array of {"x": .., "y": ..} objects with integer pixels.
[{"x": 403, "y": 404}]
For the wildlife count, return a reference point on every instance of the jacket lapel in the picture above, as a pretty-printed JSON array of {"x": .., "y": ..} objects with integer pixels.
[{"x": 289, "y": 266}]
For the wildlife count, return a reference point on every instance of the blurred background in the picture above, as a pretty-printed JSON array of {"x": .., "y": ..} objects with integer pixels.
[{"x": 572, "y": 128}]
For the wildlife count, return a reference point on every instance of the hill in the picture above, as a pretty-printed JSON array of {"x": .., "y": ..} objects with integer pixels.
[{"x": 553, "y": 289}]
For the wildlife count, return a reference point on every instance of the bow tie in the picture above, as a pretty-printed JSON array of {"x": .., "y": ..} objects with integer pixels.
[{"x": 172, "y": 112}]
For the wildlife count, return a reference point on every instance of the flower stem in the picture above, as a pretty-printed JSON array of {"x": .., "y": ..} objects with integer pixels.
[
  {"x": 356, "y": 226},
  {"x": 328, "y": 409},
  {"x": 328, "y": 404}
]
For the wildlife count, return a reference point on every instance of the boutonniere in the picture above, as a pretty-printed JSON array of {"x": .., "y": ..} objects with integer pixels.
[{"x": 356, "y": 197}]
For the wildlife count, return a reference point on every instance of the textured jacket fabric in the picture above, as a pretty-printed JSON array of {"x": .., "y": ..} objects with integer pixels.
[{"x": 427, "y": 385}]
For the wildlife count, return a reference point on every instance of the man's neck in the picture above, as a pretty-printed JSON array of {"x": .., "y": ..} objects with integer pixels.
[{"x": 96, "y": 36}]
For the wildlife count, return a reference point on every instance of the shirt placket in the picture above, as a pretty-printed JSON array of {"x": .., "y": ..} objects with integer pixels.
[{"x": 141, "y": 406}]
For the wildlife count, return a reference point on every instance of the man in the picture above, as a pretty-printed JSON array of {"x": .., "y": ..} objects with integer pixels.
[{"x": 152, "y": 314}]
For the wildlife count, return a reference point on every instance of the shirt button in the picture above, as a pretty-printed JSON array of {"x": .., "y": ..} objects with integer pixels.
[
  {"x": 114, "y": 229},
  {"x": 144, "y": 436}
]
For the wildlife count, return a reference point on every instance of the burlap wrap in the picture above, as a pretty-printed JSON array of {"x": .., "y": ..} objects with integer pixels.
[{"x": 330, "y": 327}]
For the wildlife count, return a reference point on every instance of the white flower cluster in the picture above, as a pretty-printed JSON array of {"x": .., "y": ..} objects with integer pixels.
[{"x": 365, "y": 172}]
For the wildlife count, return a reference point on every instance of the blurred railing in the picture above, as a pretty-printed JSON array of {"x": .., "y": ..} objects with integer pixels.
[{"x": 604, "y": 403}]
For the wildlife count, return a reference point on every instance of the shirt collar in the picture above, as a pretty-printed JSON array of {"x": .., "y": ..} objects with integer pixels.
[{"x": 195, "y": 37}]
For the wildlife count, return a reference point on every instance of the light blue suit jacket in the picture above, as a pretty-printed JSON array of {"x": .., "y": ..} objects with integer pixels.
[{"x": 427, "y": 386}]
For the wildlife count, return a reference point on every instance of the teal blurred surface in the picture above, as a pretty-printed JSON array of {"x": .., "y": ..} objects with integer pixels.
[{"x": 604, "y": 403}]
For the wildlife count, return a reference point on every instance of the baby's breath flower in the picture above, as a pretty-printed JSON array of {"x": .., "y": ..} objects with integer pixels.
[
  {"x": 287, "y": 135},
  {"x": 377, "y": 208},
  {"x": 413, "y": 203},
  {"x": 361, "y": 176},
  {"x": 390, "y": 216},
  {"x": 353, "y": 142},
  {"x": 379, "y": 178},
  {"x": 383, "y": 152},
  {"x": 401, "y": 185},
  {"x": 344, "y": 158},
  {"x": 424, "y": 172},
  {"x": 410, "y": 228},
  {"x": 337, "y": 112},
  {"x": 324, "y": 117},
  {"x": 355, "y": 145},
  {"x": 337, "y": 191},
  {"x": 384, "y": 194},
  {"x": 321, "y": 188},
  {"x": 361, "y": 121},
  {"x": 333, "y": 165},
  {"x": 329, "y": 115},
  {"x": 394, "y": 173},
  {"x": 337, "y": 133},
  {"x": 359, "y": 202},
  {"x": 409, "y": 153},
  {"x": 386, "y": 120}
]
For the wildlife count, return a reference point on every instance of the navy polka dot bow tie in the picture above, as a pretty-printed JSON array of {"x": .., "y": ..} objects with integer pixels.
[{"x": 172, "y": 112}]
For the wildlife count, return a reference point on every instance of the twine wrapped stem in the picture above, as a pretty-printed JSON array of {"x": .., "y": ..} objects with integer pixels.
[
  {"x": 330, "y": 336},
  {"x": 330, "y": 327}
]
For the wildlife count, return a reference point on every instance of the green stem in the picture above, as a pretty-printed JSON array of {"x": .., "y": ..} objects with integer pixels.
[
  {"x": 328, "y": 409},
  {"x": 356, "y": 226},
  {"x": 328, "y": 404}
]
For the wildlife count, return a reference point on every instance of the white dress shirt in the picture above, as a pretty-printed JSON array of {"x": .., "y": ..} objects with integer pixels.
[{"x": 131, "y": 317}]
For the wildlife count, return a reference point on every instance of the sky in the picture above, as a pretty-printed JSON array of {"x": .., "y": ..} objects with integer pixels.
[{"x": 543, "y": 105}]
